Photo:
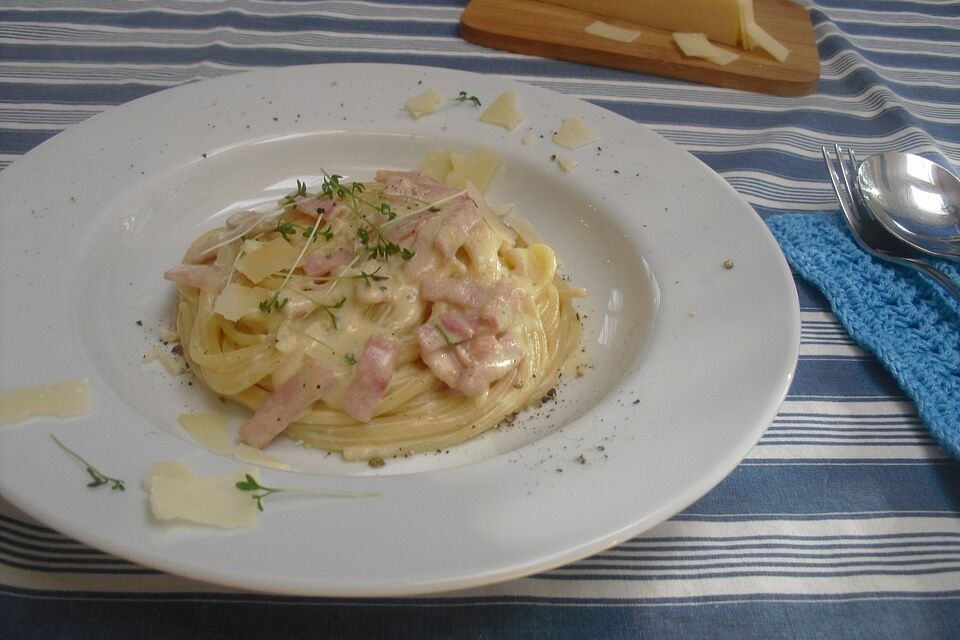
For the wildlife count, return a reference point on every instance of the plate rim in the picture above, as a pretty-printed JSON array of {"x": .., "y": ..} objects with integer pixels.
[{"x": 706, "y": 482}]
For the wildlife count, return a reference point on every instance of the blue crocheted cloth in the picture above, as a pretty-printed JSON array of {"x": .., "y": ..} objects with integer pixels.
[{"x": 906, "y": 320}]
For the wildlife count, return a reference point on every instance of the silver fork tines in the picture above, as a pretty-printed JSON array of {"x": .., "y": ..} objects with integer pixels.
[{"x": 867, "y": 230}]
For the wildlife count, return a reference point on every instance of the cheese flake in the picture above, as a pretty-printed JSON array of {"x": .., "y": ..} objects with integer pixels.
[
  {"x": 574, "y": 133},
  {"x": 209, "y": 430},
  {"x": 767, "y": 42},
  {"x": 436, "y": 164},
  {"x": 273, "y": 256},
  {"x": 424, "y": 103},
  {"x": 478, "y": 167},
  {"x": 252, "y": 455},
  {"x": 68, "y": 399},
  {"x": 177, "y": 493},
  {"x": 696, "y": 45},
  {"x": 503, "y": 111},
  {"x": 236, "y": 301},
  {"x": 528, "y": 138},
  {"x": 566, "y": 163},
  {"x": 611, "y": 32}
]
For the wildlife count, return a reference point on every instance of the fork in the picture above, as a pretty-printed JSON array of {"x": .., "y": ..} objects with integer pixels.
[{"x": 867, "y": 230}]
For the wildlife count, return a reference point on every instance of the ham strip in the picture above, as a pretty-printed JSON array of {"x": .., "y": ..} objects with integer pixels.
[
  {"x": 472, "y": 366},
  {"x": 287, "y": 403},
  {"x": 376, "y": 365},
  {"x": 199, "y": 276},
  {"x": 457, "y": 227},
  {"x": 494, "y": 305},
  {"x": 318, "y": 264},
  {"x": 320, "y": 205},
  {"x": 413, "y": 184}
]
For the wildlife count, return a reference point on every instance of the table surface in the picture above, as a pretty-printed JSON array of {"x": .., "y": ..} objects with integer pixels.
[{"x": 844, "y": 521}]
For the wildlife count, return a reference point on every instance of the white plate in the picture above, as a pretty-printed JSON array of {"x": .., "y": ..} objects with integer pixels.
[{"x": 692, "y": 359}]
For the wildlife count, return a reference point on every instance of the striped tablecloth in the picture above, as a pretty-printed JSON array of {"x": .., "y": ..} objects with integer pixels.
[{"x": 843, "y": 522}]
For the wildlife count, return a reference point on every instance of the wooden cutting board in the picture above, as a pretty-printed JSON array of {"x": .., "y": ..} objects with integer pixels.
[{"x": 551, "y": 31}]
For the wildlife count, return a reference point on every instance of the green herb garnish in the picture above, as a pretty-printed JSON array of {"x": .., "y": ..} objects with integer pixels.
[
  {"x": 463, "y": 97},
  {"x": 273, "y": 303},
  {"x": 351, "y": 360},
  {"x": 258, "y": 492},
  {"x": 97, "y": 478},
  {"x": 370, "y": 278},
  {"x": 285, "y": 229}
]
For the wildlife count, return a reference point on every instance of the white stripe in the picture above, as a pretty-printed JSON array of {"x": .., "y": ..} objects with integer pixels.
[{"x": 346, "y": 10}]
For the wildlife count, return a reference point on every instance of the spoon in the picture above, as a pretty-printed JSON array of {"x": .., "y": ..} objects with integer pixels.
[
  {"x": 915, "y": 199},
  {"x": 867, "y": 230}
]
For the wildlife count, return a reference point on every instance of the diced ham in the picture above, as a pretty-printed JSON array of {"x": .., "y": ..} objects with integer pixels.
[
  {"x": 250, "y": 222},
  {"x": 454, "y": 291},
  {"x": 413, "y": 184},
  {"x": 288, "y": 402},
  {"x": 200, "y": 251},
  {"x": 320, "y": 205},
  {"x": 407, "y": 227},
  {"x": 446, "y": 329},
  {"x": 494, "y": 304},
  {"x": 318, "y": 264},
  {"x": 374, "y": 369},
  {"x": 457, "y": 227},
  {"x": 472, "y": 366},
  {"x": 200, "y": 276}
]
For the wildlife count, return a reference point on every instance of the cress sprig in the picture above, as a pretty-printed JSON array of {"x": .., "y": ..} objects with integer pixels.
[
  {"x": 258, "y": 492},
  {"x": 97, "y": 477}
]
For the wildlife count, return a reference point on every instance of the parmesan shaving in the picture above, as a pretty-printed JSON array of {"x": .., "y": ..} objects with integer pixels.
[
  {"x": 503, "y": 111},
  {"x": 696, "y": 45},
  {"x": 610, "y": 32},
  {"x": 209, "y": 430},
  {"x": 68, "y": 399},
  {"x": 252, "y": 455},
  {"x": 574, "y": 133},
  {"x": 177, "y": 493},
  {"x": 767, "y": 42},
  {"x": 426, "y": 102},
  {"x": 566, "y": 163}
]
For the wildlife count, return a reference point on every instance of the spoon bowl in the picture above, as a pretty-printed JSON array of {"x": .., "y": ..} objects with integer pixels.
[{"x": 915, "y": 199}]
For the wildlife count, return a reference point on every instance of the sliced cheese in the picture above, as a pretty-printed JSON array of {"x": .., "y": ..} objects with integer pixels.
[
  {"x": 209, "y": 430},
  {"x": 746, "y": 17},
  {"x": 177, "y": 493},
  {"x": 236, "y": 301},
  {"x": 503, "y": 111},
  {"x": 273, "y": 256},
  {"x": 478, "y": 167},
  {"x": 67, "y": 399},
  {"x": 696, "y": 45},
  {"x": 426, "y": 102},
  {"x": 767, "y": 42},
  {"x": 611, "y": 32},
  {"x": 574, "y": 133},
  {"x": 252, "y": 455},
  {"x": 436, "y": 164},
  {"x": 719, "y": 19},
  {"x": 566, "y": 163}
]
